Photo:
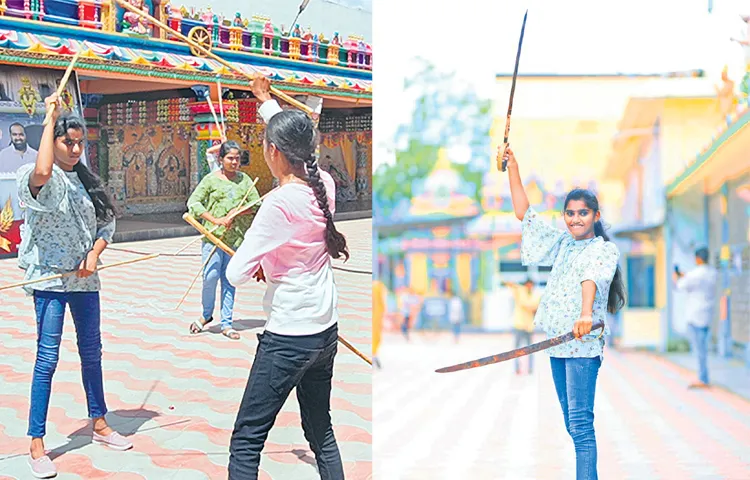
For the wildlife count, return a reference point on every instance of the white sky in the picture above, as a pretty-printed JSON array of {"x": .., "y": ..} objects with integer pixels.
[{"x": 479, "y": 38}]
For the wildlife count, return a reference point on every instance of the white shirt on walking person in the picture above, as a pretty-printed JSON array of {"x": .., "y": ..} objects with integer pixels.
[
  {"x": 700, "y": 301},
  {"x": 456, "y": 310}
]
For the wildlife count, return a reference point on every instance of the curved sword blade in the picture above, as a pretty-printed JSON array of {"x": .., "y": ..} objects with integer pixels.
[
  {"x": 518, "y": 352},
  {"x": 513, "y": 88}
]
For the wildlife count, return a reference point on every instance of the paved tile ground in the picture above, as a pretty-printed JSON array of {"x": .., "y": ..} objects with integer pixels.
[
  {"x": 176, "y": 395},
  {"x": 488, "y": 423},
  {"x": 731, "y": 374}
]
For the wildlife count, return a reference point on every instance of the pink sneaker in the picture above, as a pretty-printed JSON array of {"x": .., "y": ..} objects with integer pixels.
[
  {"x": 114, "y": 440},
  {"x": 42, "y": 467}
]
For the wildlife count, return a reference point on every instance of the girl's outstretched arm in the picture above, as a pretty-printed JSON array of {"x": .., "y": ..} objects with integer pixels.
[
  {"x": 46, "y": 155},
  {"x": 517, "y": 192}
]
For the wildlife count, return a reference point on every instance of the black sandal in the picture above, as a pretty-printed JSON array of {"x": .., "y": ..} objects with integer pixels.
[{"x": 198, "y": 325}]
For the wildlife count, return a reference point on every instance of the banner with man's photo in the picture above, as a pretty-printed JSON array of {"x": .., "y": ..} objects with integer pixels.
[{"x": 22, "y": 94}]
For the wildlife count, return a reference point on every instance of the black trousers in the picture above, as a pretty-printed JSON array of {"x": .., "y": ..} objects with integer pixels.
[{"x": 282, "y": 363}]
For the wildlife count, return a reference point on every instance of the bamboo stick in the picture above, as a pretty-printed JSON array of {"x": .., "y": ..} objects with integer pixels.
[
  {"x": 204, "y": 231},
  {"x": 221, "y": 108},
  {"x": 219, "y": 244},
  {"x": 195, "y": 278},
  {"x": 231, "y": 216},
  {"x": 60, "y": 88},
  {"x": 66, "y": 274}
]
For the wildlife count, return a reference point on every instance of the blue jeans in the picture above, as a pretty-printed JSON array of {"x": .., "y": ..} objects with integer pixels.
[
  {"x": 575, "y": 382},
  {"x": 50, "y": 313},
  {"x": 216, "y": 270},
  {"x": 699, "y": 338},
  {"x": 283, "y": 363}
]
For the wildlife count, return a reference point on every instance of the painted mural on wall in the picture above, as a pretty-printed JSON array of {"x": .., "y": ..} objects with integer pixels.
[
  {"x": 250, "y": 138},
  {"x": 22, "y": 93},
  {"x": 155, "y": 162},
  {"x": 346, "y": 153}
]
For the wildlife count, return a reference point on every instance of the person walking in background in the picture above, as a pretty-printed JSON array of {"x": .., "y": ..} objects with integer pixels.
[
  {"x": 526, "y": 304},
  {"x": 456, "y": 314},
  {"x": 406, "y": 307},
  {"x": 700, "y": 285}
]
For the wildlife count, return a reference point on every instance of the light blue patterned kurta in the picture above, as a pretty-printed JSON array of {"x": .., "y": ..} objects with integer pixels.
[
  {"x": 59, "y": 231},
  {"x": 572, "y": 261}
]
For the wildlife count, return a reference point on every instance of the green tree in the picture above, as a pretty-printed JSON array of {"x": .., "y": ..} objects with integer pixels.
[{"x": 447, "y": 112}]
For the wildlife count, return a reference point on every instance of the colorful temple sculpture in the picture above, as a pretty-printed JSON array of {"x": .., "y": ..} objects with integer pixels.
[
  {"x": 447, "y": 240},
  {"x": 153, "y": 103}
]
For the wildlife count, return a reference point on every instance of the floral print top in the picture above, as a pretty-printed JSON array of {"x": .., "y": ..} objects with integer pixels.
[
  {"x": 572, "y": 261},
  {"x": 59, "y": 231},
  {"x": 218, "y": 196}
]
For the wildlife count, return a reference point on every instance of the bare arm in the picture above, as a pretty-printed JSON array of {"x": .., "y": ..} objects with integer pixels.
[
  {"x": 588, "y": 288},
  {"x": 517, "y": 192},
  {"x": 585, "y": 322},
  {"x": 214, "y": 150},
  {"x": 46, "y": 156}
]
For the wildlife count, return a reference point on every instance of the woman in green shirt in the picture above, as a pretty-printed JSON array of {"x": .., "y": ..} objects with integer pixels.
[{"x": 213, "y": 201}]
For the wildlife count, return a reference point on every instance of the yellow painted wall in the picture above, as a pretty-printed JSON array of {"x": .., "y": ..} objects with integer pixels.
[
  {"x": 687, "y": 127},
  {"x": 641, "y": 327}
]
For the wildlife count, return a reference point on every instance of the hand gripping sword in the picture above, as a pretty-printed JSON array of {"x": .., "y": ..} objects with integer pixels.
[
  {"x": 518, "y": 352},
  {"x": 503, "y": 166}
]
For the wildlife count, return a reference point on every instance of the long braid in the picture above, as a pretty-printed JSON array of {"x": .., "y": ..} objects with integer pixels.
[
  {"x": 294, "y": 135},
  {"x": 335, "y": 241}
]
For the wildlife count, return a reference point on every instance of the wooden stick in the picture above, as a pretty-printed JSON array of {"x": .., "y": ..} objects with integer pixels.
[
  {"x": 212, "y": 251},
  {"x": 60, "y": 88},
  {"x": 210, "y": 237},
  {"x": 61, "y": 275},
  {"x": 196, "y": 277},
  {"x": 221, "y": 107},
  {"x": 209, "y": 53},
  {"x": 213, "y": 112},
  {"x": 248, "y": 207},
  {"x": 354, "y": 350},
  {"x": 217, "y": 226}
]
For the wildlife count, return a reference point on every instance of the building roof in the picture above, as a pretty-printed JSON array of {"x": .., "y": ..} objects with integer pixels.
[
  {"x": 116, "y": 55},
  {"x": 725, "y": 158},
  {"x": 644, "y": 107}
]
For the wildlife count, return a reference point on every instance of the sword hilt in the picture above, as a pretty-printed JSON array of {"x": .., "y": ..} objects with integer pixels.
[{"x": 504, "y": 163}]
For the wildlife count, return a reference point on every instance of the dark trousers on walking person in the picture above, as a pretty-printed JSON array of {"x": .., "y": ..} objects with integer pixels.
[
  {"x": 575, "y": 383},
  {"x": 405, "y": 327},
  {"x": 699, "y": 340},
  {"x": 523, "y": 338},
  {"x": 282, "y": 363}
]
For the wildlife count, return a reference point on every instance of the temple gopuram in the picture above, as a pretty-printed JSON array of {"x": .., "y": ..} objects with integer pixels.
[
  {"x": 153, "y": 102},
  {"x": 443, "y": 242}
]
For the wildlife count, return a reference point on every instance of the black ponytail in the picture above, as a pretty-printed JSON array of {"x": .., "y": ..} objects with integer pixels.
[
  {"x": 616, "y": 299},
  {"x": 103, "y": 205},
  {"x": 293, "y": 134}
]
